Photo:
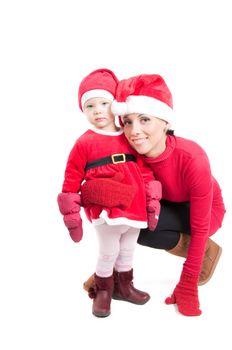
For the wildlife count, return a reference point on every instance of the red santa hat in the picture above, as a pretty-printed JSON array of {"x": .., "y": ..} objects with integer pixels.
[
  {"x": 100, "y": 83},
  {"x": 146, "y": 94}
]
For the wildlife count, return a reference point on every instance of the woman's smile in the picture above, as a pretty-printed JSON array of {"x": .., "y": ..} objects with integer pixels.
[{"x": 139, "y": 140}]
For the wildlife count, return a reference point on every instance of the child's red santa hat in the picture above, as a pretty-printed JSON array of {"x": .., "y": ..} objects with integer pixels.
[
  {"x": 145, "y": 94},
  {"x": 100, "y": 83}
]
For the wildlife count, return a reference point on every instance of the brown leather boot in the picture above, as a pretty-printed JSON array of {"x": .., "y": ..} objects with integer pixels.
[
  {"x": 212, "y": 254},
  {"x": 103, "y": 295},
  {"x": 89, "y": 283},
  {"x": 181, "y": 249},
  {"x": 124, "y": 289}
]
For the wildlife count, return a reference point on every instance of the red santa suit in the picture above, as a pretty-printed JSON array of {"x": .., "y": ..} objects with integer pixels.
[{"x": 96, "y": 144}]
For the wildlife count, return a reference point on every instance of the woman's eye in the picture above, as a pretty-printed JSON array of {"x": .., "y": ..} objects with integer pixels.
[
  {"x": 126, "y": 122},
  {"x": 145, "y": 120}
]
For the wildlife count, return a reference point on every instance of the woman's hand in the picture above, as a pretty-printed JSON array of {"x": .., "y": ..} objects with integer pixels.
[{"x": 185, "y": 295}]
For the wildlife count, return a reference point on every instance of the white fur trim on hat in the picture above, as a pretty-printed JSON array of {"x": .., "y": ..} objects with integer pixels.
[
  {"x": 119, "y": 108},
  {"x": 144, "y": 105},
  {"x": 96, "y": 93}
]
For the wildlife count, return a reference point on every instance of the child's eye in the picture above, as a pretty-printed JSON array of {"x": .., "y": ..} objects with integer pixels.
[
  {"x": 105, "y": 103},
  {"x": 89, "y": 106}
]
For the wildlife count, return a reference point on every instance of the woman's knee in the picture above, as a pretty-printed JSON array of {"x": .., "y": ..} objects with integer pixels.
[{"x": 159, "y": 240}]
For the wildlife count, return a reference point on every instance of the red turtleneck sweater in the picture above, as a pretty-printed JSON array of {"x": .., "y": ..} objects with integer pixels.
[{"x": 184, "y": 172}]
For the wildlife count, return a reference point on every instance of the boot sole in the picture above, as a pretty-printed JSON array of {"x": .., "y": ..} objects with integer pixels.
[
  {"x": 101, "y": 314},
  {"x": 201, "y": 283},
  {"x": 130, "y": 301}
]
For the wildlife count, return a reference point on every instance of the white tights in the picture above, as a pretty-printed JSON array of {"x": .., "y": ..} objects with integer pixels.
[{"x": 116, "y": 248}]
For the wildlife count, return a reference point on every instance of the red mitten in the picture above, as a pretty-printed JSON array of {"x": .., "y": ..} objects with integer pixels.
[
  {"x": 108, "y": 192},
  {"x": 153, "y": 196},
  {"x": 185, "y": 295},
  {"x": 69, "y": 205},
  {"x": 153, "y": 211}
]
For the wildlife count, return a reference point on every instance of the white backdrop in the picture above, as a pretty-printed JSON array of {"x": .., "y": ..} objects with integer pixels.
[{"x": 47, "y": 47}]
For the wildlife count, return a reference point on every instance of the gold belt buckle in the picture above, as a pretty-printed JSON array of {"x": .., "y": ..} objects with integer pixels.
[{"x": 118, "y": 155}]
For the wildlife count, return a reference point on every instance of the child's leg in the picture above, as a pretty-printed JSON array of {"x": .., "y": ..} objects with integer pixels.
[
  {"x": 108, "y": 239},
  {"x": 127, "y": 247},
  {"x": 116, "y": 243},
  {"x": 109, "y": 245},
  {"x": 123, "y": 273}
]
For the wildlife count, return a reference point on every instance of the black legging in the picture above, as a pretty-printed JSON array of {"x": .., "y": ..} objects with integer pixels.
[{"x": 174, "y": 218}]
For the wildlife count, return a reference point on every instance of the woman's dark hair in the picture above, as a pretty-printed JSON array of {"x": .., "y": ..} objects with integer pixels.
[{"x": 170, "y": 132}]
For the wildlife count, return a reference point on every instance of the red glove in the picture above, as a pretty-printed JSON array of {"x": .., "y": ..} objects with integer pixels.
[
  {"x": 69, "y": 205},
  {"x": 185, "y": 295},
  {"x": 153, "y": 196},
  {"x": 107, "y": 192}
]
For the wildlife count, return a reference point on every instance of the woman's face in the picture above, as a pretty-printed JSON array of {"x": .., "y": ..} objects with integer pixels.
[{"x": 145, "y": 133}]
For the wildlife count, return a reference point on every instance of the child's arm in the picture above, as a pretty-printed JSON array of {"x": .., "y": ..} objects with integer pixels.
[
  {"x": 70, "y": 205},
  {"x": 153, "y": 191},
  {"x": 69, "y": 201}
]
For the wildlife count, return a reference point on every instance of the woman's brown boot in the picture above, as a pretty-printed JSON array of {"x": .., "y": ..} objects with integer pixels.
[
  {"x": 125, "y": 290},
  {"x": 89, "y": 283},
  {"x": 212, "y": 254},
  {"x": 103, "y": 295},
  {"x": 181, "y": 249}
]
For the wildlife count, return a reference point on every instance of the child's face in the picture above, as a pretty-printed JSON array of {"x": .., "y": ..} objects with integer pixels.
[{"x": 98, "y": 113}]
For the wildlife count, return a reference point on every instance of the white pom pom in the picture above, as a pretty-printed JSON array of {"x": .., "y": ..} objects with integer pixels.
[{"x": 119, "y": 108}]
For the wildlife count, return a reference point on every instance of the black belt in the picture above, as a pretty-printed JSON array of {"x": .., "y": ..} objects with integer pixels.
[{"x": 113, "y": 159}]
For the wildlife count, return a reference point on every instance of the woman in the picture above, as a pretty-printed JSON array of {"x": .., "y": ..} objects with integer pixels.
[{"x": 191, "y": 197}]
